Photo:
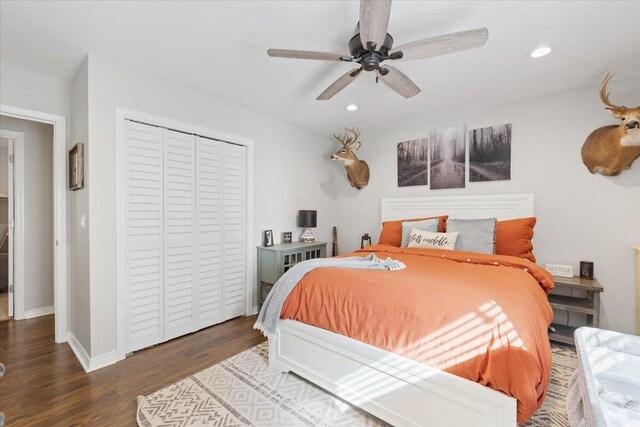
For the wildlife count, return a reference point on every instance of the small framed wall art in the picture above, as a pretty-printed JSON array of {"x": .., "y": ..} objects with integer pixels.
[{"x": 76, "y": 167}]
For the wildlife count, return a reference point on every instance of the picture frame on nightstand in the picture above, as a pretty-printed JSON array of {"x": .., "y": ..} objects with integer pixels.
[
  {"x": 267, "y": 238},
  {"x": 287, "y": 237}
]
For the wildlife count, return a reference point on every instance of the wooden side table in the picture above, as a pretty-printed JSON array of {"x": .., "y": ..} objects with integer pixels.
[
  {"x": 589, "y": 305},
  {"x": 274, "y": 261}
]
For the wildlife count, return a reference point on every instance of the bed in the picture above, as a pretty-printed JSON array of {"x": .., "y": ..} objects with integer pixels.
[{"x": 406, "y": 348}]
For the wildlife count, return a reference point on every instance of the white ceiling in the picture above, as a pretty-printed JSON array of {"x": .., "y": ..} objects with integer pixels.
[{"x": 220, "y": 48}]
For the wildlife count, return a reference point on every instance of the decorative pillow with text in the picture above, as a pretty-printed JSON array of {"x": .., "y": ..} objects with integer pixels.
[
  {"x": 426, "y": 225},
  {"x": 431, "y": 240}
]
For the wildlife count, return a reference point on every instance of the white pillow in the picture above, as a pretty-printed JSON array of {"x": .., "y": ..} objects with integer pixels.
[{"x": 431, "y": 240}]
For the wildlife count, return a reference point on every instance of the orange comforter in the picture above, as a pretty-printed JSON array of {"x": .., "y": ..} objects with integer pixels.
[{"x": 481, "y": 317}]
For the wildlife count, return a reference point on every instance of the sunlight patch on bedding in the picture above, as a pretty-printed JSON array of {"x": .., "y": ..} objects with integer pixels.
[{"x": 472, "y": 335}]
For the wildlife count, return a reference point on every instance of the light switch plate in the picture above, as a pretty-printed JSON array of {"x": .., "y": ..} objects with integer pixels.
[{"x": 559, "y": 270}]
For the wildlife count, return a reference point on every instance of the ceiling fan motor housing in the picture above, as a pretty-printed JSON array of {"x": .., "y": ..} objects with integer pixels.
[{"x": 370, "y": 61}]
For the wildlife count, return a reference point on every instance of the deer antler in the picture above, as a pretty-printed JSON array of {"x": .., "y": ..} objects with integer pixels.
[
  {"x": 347, "y": 140},
  {"x": 604, "y": 96},
  {"x": 344, "y": 139},
  {"x": 356, "y": 135}
]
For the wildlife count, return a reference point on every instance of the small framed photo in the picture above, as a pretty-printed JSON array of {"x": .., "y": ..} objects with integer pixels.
[
  {"x": 267, "y": 238},
  {"x": 76, "y": 167},
  {"x": 286, "y": 237}
]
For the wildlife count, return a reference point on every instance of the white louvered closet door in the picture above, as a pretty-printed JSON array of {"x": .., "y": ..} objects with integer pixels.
[
  {"x": 143, "y": 154},
  {"x": 233, "y": 229},
  {"x": 180, "y": 229},
  {"x": 209, "y": 238},
  {"x": 185, "y": 225}
]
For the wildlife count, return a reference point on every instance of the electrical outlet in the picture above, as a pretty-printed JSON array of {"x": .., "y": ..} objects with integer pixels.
[{"x": 559, "y": 270}]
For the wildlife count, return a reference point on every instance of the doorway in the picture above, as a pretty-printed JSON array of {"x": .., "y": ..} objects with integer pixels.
[
  {"x": 26, "y": 217},
  {"x": 54, "y": 226},
  {"x": 6, "y": 226}
]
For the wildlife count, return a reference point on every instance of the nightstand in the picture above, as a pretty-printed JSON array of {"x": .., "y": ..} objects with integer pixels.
[
  {"x": 274, "y": 261},
  {"x": 589, "y": 305}
]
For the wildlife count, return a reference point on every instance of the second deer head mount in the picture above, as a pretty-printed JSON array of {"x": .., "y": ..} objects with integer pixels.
[
  {"x": 357, "y": 170},
  {"x": 609, "y": 150}
]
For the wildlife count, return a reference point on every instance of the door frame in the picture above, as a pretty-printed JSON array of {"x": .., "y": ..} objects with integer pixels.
[
  {"x": 15, "y": 201},
  {"x": 60, "y": 266},
  {"x": 123, "y": 114},
  {"x": 11, "y": 224}
]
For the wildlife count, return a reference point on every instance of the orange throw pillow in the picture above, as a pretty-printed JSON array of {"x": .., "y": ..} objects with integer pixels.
[
  {"x": 513, "y": 237},
  {"x": 391, "y": 233}
]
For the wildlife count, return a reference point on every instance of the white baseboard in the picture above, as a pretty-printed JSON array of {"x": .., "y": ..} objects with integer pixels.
[
  {"x": 102, "y": 361},
  {"x": 79, "y": 351},
  {"x": 37, "y": 312},
  {"x": 90, "y": 363}
]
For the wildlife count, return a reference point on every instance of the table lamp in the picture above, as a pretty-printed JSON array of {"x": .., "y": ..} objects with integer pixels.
[{"x": 307, "y": 220}]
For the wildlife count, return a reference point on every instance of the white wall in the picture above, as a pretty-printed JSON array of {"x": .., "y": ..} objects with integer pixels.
[
  {"x": 580, "y": 216},
  {"x": 20, "y": 88},
  {"x": 78, "y": 205},
  {"x": 38, "y": 202},
  {"x": 4, "y": 166},
  {"x": 288, "y": 170}
]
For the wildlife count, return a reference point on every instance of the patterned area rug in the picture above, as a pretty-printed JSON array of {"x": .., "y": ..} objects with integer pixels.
[{"x": 243, "y": 391}]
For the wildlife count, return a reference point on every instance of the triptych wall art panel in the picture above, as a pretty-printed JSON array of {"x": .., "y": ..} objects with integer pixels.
[
  {"x": 441, "y": 160},
  {"x": 490, "y": 154},
  {"x": 413, "y": 162},
  {"x": 448, "y": 157}
]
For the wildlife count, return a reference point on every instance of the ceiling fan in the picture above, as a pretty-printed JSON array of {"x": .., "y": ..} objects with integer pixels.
[{"x": 373, "y": 45}]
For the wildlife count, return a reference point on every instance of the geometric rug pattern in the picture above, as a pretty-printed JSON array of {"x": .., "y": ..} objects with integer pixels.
[
  {"x": 553, "y": 411},
  {"x": 243, "y": 391}
]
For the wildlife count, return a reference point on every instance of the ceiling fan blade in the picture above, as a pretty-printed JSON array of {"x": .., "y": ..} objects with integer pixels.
[
  {"x": 374, "y": 21},
  {"x": 339, "y": 84},
  {"x": 399, "y": 82},
  {"x": 305, "y": 54},
  {"x": 443, "y": 45}
]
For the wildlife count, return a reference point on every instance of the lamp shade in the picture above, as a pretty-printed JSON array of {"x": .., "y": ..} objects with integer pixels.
[{"x": 307, "y": 219}]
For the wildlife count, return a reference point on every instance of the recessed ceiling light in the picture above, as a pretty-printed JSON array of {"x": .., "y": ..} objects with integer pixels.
[
  {"x": 540, "y": 52},
  {"x": 351, "y": 107}
]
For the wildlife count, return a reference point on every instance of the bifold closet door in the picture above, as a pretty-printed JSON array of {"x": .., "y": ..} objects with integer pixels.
[
  {"x": 185, "y": 224},
  {"x": 143, "y": 164},
  {"x": 180, "y": 231},
  {"x": 209, "y": 237},
  {"x": 234, "y": 230}
]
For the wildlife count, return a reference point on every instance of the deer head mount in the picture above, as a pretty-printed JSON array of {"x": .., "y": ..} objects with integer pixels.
[
  {"x": 357, "y": 170},
  {"x": 611, "y": 149}
]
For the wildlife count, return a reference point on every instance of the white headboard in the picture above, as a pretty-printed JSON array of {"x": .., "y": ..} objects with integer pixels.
[{"x": 499, "y": 206}]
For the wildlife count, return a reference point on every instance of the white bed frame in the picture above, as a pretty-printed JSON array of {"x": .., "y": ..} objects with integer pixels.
[{"x": 396, "y": 389}]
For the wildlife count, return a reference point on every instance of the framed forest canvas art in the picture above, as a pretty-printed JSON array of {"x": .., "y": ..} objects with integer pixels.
[
  {"x": 447, "y": 157},
  {"x": 490, "y": 153},
  {"x": 413, "y": 162}
]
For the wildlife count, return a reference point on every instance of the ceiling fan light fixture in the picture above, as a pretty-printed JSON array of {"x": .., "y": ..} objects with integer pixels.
[
  {"x": 540, "y": 52},
  {"x": 351, "y": 107}
]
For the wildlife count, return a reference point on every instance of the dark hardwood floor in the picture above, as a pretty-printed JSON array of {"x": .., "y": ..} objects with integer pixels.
[{"x": 45, "y": 384}]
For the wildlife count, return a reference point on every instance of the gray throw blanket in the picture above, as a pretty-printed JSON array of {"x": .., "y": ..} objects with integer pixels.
[{"x": 269, "y": 315}]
